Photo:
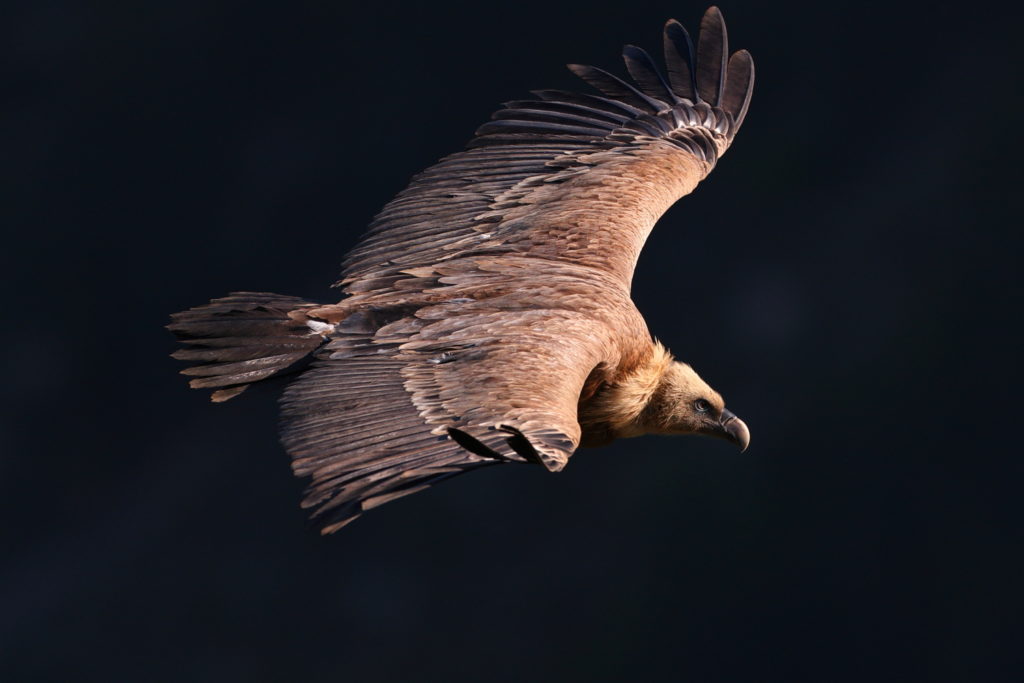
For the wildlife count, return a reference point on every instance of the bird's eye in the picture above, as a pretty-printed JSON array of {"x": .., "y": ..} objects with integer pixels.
[{"x": 701, "y": 405}]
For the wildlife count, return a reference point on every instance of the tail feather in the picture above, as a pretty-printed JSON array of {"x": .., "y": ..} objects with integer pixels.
[{"x": 243, "y": 338}]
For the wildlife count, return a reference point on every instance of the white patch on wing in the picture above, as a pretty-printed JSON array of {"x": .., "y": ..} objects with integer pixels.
[{"x": 317, "y": 327}]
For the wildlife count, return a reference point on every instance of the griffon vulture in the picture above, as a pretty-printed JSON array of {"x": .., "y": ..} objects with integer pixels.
[{"x": 486, "y": 316}]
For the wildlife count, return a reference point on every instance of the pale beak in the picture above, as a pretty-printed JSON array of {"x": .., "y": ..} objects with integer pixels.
[{"x": 735, "y": 430}]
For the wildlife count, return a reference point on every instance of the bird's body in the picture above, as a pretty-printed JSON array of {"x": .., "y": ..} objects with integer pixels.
[{"x": 487, "y": 315}]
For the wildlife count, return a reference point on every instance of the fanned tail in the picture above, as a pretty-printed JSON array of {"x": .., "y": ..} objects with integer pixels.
[{"x": 243, "y": 338}]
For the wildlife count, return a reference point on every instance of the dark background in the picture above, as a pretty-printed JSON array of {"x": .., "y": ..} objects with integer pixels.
[{"x": 846, "y": 277}]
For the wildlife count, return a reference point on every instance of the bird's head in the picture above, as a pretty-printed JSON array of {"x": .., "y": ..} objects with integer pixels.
[{"x": 683, "y": 403}]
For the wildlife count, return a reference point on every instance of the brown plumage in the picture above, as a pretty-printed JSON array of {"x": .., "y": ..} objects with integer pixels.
[{"x": 487, "y": 316}]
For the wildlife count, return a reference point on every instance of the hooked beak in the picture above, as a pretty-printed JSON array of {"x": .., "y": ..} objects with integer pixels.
[{"x": 735, "y": 430}]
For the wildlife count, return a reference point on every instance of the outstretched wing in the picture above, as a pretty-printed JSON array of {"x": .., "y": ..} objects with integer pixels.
[
  {"x": 567, "y": 176},
  {"x": 489, "y": 294},
  {"x": 431, "y": 395}
]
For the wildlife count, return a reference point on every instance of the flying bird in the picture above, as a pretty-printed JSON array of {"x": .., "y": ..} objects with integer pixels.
[{"x": 486, "y": 316}]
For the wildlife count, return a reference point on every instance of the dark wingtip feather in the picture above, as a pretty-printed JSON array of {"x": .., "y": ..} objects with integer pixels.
[
  {"x": 679, "y": 60},
  {"x": 616, "y": 88},
  {"x": 712, "y": 55},
  {"x": 703, "y": 88},
  {"x": 612, "y": 107},
  {"x": 739, "y": 86},
  {"x": 643, "y": 70}
]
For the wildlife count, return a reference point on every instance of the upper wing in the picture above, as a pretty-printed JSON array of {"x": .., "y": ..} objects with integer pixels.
[
  {"x": 572, "y": 177},
  {"x": 384, "y": 414}
]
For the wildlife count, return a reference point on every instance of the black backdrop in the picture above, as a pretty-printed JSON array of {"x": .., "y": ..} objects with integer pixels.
[{"x": 845, "y": 277}]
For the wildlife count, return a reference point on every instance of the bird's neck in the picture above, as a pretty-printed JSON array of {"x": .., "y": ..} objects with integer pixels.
[{"x": 617, "y": 409}]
